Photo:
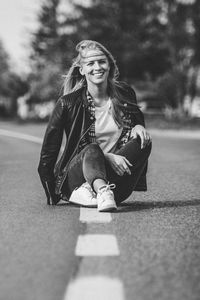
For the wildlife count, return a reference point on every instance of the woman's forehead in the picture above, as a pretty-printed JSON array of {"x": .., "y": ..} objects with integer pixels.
[{"x": 93, "y": 55}]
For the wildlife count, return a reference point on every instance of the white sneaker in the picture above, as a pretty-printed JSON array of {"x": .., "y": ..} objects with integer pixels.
[
  {"x": 105, "y": 198},
  {"x": 84, "y": 196}
]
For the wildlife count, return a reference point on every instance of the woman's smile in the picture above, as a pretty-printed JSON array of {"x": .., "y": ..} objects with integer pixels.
[{"x": 98, "y": 74}]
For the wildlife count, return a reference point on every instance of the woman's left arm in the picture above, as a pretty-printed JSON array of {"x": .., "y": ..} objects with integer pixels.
[
  {"x": 139, "y": 128},
  {"x": 139, "y": 122}
]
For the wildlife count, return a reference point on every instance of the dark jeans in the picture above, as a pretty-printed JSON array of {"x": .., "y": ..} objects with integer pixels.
[{"x": 91, "y": 164}]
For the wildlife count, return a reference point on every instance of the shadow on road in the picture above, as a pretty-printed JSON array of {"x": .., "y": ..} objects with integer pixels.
[{"x": 140, "y": 205}]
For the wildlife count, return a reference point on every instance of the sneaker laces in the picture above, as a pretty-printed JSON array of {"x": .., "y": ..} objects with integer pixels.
[{"x": 106, "y": 188}]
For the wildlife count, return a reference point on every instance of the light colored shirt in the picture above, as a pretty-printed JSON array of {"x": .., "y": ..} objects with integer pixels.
[{"x": 106, "y": 130}]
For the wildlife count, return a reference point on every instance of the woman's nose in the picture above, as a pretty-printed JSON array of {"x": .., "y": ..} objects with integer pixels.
[{"x": 97, "y": 65}]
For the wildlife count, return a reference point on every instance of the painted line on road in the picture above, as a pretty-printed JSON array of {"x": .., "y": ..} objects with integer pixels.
[
  {"x": 97, "y": 245},
  {"x": 21, "y": 136},
  {"x": 91, "y": 215},
  {"x": 95, "y": 288}
]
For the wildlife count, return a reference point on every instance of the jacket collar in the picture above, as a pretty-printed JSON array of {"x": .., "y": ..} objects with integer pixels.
[{"x": 128, "y": 107}]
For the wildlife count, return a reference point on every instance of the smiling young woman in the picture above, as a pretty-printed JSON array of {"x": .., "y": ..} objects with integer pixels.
[{"x": 107, "y": 145}]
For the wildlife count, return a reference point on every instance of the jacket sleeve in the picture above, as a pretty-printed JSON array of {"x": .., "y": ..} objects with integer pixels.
[
  {"x": 50, "y": 150},
  {"x": 139, "y": 117},
  {"x": 132, "y": 100}
]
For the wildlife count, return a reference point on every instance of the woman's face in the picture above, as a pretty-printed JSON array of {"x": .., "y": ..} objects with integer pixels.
[{"x": 95, "y": 67}]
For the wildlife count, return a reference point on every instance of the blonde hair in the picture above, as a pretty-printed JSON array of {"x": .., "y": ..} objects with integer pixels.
[{"x": 74, "y": 80}]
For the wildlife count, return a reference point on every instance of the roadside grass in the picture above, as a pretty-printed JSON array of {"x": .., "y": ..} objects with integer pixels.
[{"x": 161, "y": 122}]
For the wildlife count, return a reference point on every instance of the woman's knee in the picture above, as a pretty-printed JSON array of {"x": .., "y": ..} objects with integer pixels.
[
  {"x": 93, "y": 149},
  {"x": 139, "y": 142}
]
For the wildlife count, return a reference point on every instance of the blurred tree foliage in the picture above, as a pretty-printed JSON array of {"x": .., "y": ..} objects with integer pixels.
[
  {"x": 152, "y": 40},
  {"x": 4, "y": 74},
  {"x": 11, "y": 85}
]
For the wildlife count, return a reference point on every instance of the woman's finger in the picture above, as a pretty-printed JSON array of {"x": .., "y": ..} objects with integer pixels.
[
  {"x": 148, "y": 138},
  {"x": 141, "y": 134},
  {"x": 127, "y": 161},
  {"x": 128, "y": 171},
  {"x": 118, "y": 170},
  {"x": 126, "y": 168},
  {"x": 122, "y": 169}
]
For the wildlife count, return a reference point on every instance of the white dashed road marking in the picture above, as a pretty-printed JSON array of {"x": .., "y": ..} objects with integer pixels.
[
  {"x": 95, "y": 288},
  {"x": 97, "y": 245},
  {"x": 91, "y": 215}
]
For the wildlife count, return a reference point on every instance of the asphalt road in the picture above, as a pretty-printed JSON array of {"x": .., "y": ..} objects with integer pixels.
[{"x": 157, "y": 232}]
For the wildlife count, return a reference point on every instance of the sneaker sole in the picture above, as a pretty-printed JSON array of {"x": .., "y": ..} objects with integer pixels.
[
  {"x": 108, "y": 208},
  {"x": 83, "y": 205}
]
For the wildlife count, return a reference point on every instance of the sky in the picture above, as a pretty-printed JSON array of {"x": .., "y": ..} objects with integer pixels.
[{"x": 18, "y": 18}]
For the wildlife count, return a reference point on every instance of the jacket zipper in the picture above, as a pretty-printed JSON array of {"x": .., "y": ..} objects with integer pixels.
[
  {"x": 45, "y": 185},
  {"x": 64, "y": 177}
]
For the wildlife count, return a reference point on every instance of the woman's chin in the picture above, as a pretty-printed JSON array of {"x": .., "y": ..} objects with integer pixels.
[{"x": 99, "y": 81}]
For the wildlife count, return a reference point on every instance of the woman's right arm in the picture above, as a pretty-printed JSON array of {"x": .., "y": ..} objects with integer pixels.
[{"x": 50, "y": 150}]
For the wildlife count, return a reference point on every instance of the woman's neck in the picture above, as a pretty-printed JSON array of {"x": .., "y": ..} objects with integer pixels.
[{"x": 99, "y": 94}]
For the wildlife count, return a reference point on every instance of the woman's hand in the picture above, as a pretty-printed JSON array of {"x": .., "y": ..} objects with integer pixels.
[
  {"x": 140, "y": 131},
  {"x": 119, "y": 163}
]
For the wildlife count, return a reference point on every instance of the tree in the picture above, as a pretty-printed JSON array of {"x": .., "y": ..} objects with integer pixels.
[
  {"x": 182, "y": 38},
  {"x": 44, "y": 43},
  {"x": 11, "y": 85},
  {"x": 4, "y": 74},
  {"x": 46, "y": 54},
  {"x": 131, "y": 29}
]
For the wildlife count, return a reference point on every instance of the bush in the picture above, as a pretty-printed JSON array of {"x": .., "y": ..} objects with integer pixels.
[
  {"x": 171, "y": 88},
  {"x": 174, "y": 113},
  {"x": 148, "y": 96},
  {"x": 46, "y": 85}
]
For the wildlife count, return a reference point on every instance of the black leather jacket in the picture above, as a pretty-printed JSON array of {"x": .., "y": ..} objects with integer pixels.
[{"x": 71, "y": 116}]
